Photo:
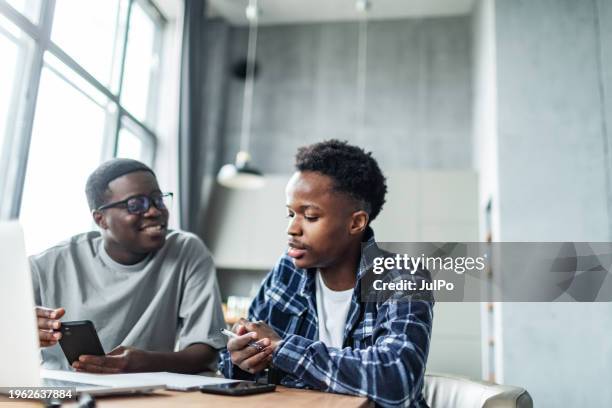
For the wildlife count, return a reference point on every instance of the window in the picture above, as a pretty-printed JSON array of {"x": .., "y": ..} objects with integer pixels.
[
  {"x": 29, "y": 8},
  {"x": 92, "y": 67},
  {"x": 66, "y": 146},
  {"x": 10, "y": 49},
  {"x": 132, "y": 142},
  {"x": 15, "y": 48},
  {"x": 129, "y": 145},
  {"x": 141, "y": 63},
  {"x": 92, "y": 33}
]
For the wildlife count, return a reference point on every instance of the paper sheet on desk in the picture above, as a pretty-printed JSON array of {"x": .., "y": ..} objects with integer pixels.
[
  {"x": 185, "y": 382},
  {"x": 173, "y": 381}
]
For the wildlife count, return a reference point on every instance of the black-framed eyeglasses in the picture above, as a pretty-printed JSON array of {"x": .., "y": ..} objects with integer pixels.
[{"x": 140, "y": 204}]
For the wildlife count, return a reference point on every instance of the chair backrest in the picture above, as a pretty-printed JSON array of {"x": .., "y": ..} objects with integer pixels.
[{"x": 449, "y": 391}]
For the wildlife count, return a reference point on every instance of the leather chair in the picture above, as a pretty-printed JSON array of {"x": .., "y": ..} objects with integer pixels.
[{"x": 449, "y": 391}]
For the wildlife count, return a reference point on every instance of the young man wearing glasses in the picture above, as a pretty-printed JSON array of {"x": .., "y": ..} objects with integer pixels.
[{"x": 143, "y": 287}]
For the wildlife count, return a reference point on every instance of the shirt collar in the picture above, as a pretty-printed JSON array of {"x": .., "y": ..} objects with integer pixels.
[
  {"x": 111, "y": 263},
  {"x": 369, "y": 251}
]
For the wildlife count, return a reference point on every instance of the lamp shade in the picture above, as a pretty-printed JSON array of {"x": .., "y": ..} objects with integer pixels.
[{"x": 240, "y": 175}]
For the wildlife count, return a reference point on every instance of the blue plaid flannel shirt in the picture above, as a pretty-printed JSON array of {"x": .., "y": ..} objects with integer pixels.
[{"x": 385, "y": 348}]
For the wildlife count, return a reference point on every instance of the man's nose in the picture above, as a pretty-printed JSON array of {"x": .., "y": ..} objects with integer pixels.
[
  {"x": 153, "y": 211},
  {"x": 294, "y": 227}
]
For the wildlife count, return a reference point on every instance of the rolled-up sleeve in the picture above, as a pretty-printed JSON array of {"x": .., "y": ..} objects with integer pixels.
[
  {"x": 200, "y": 312},
  {"x": 35, "y": 276}
]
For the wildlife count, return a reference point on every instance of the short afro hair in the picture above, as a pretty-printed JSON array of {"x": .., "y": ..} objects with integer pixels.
[
  {"x": 353, "y": 171},
  {"x": 96, "y": 188}
]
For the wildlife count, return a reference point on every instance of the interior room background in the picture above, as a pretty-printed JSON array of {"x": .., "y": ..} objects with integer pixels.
[{"x": 490, "y": 117}]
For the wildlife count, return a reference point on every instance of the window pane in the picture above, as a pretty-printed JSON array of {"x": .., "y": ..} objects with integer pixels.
[
  {"x": 29, "y": 8},
  {"x": 91, "y": 32},
  {"x": 67, "y": 141},
  {"x": 15, "y": 50},
  {"x": 8, "y": 69},
  {"x": 140, "y": 64},
  {"x": 129, "y": 145}
]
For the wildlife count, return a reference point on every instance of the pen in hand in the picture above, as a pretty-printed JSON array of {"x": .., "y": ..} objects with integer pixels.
[{"x": 233, "y": 335}]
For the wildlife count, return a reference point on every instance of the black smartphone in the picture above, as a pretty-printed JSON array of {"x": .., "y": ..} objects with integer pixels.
[
  {"x": 79, "y": 338},
  {"x": 238, "y": 388}
]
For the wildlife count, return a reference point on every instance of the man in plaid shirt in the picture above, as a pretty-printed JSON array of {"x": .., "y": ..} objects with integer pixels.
[{"x": 313, "y": 317}]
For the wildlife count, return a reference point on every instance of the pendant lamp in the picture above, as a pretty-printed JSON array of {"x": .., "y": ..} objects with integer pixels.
[{"x": 241, "y": 174}]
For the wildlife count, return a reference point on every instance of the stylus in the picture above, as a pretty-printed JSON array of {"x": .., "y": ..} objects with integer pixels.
[{"x": 233, "y": 335}]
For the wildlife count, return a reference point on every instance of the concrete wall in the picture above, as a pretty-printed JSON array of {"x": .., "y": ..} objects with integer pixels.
[
  {"x": 550, "y": 121},
  {"x": 553, "y": 183},
  {"x": 603, "y": 10},
  {"x": 417, "y": 96}
]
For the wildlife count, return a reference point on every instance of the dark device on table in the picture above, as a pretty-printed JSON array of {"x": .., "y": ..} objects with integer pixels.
[
  {"x": 79, "y": 338},
  {"x": 238, "y": 388}
]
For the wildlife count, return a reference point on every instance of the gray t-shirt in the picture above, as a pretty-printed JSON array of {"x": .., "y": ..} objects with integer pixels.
[{"x": 168, "y": 301}]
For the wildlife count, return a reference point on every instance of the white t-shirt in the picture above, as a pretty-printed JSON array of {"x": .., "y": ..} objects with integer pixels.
[{"x": 332, "y": 310}]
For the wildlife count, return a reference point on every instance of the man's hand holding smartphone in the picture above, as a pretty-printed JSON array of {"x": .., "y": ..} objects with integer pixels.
[
  {"x": 120, "y": 360},
  {"x": 49, "y": 325}
]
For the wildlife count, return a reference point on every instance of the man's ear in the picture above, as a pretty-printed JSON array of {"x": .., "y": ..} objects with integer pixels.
[
  {"x": 359, "y": 222},
  {"x": 99, "y": 219}
]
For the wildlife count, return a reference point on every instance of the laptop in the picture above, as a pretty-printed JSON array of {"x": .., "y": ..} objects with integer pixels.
[{"x": 19, "y": 348}]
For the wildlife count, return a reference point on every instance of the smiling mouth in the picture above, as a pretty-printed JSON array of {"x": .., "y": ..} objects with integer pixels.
[{"x": 154, "y": 228}]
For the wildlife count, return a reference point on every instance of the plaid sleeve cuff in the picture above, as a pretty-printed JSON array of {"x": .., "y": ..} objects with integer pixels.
[
  {"x": 229, "y": 370},
  {"x": 290, "y": 354}
]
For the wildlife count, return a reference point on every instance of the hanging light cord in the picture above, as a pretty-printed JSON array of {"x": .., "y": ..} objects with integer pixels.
[
  {"x": 247, "y": 101},
  {"x": 362, "y": 65}
]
